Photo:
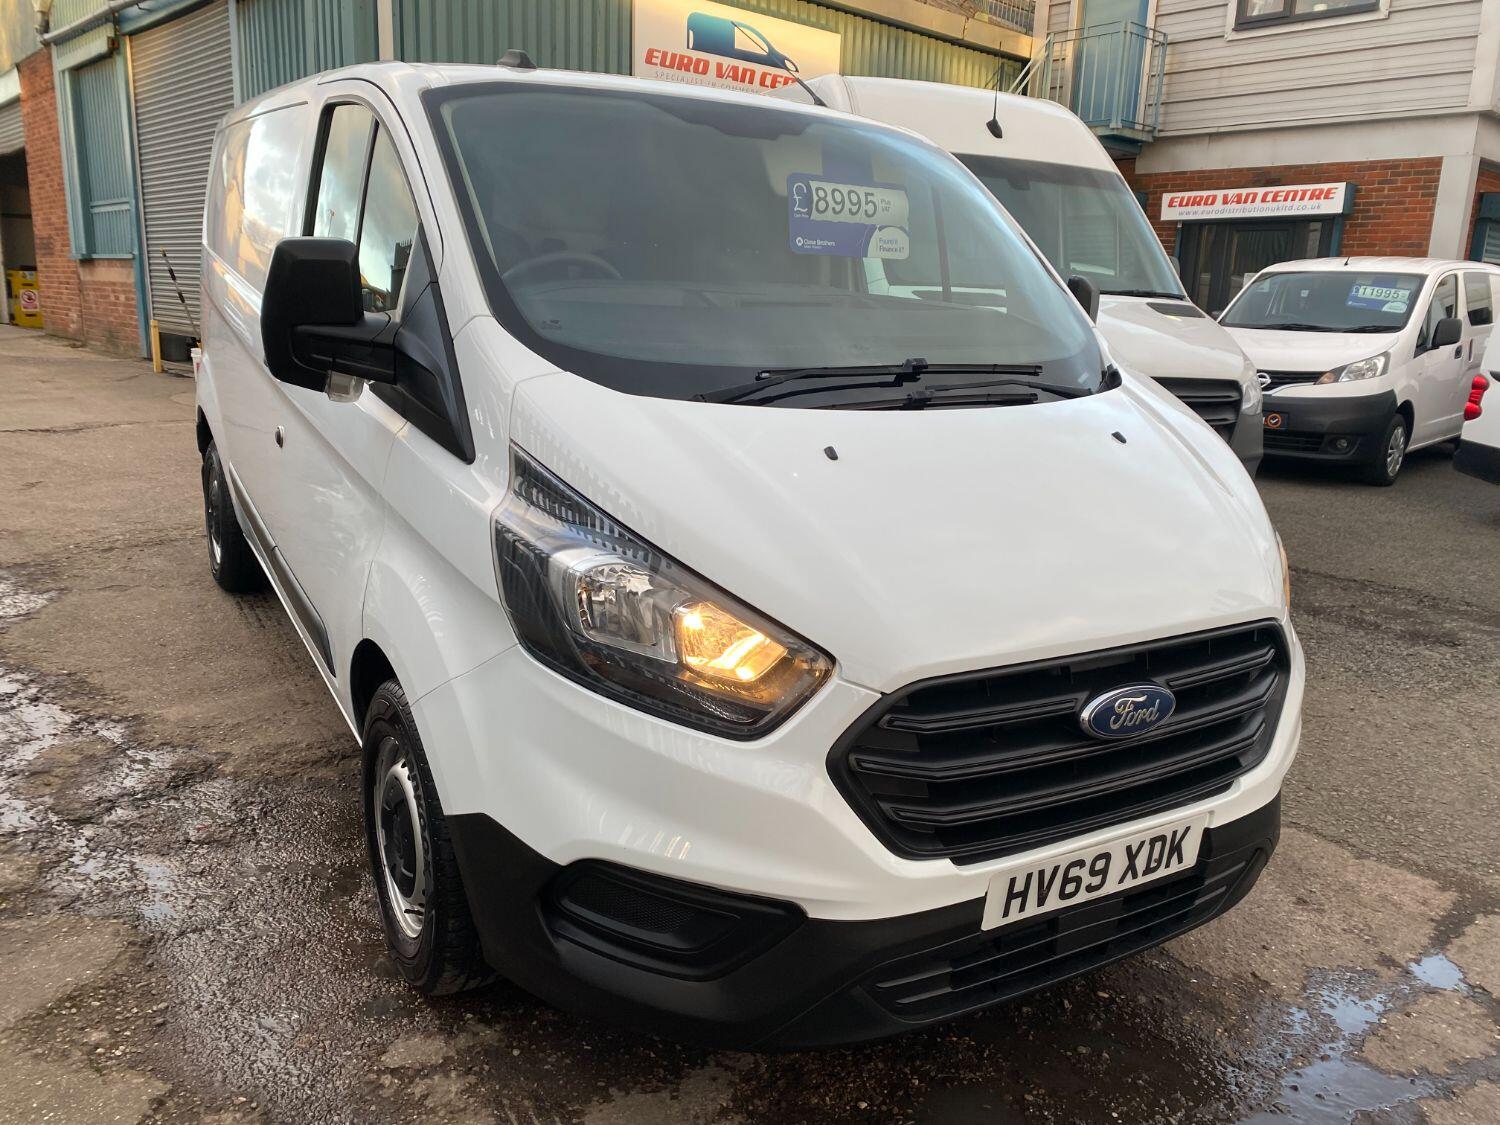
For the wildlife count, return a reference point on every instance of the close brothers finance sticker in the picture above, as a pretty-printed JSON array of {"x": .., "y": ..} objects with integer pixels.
[
  {"x": 847, "y": 220},
  {"x": 1385, "y": 298}
]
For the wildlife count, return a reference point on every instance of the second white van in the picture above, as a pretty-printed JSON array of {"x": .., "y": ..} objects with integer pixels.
[
  {"x": 1365, "y": 359},
  {"x": 1054, "y": 177}
]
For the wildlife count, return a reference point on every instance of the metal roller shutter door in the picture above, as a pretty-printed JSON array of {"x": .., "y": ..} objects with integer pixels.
[
  {"x": 11, "y": 137},
  {"x": 184, "y": 84}
]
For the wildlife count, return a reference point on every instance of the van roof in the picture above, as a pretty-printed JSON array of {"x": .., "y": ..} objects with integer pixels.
[
  {"x": 956, "y": 118},
  {"x": 412, "y": 78},
  {"x": 1384, "y": 265}
]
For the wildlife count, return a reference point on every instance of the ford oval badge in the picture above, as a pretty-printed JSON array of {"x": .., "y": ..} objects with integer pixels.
[{"x": 1127, "y": 711}]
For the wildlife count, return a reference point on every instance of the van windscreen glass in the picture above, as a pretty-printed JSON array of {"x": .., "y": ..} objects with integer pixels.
[
  {"x": 1085, "y": 220},
  {"x": 674, "y": 245},
  {"x": 1326, "y": 301}
]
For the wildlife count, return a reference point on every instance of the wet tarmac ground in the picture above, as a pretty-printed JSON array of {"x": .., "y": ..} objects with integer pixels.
[{"x": 187, "y": 930}]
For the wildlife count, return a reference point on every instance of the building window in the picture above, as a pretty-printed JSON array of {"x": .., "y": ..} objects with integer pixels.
[{"x": 1261, "y": 13}]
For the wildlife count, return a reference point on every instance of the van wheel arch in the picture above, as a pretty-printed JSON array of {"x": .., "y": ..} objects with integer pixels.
[
  {"x": 369, "y": 667},
  {"x": 205, "y": 434},
  {"x": 1406, "y": 411}
]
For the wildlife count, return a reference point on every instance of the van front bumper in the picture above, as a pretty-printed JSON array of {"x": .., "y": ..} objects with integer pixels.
[
  {"x": 771, "y": 977},
  {"x": 574, "y": 816},
  {"x": 1337, "y": 428}
]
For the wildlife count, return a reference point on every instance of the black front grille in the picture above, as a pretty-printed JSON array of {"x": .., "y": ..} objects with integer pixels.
[
  {"x": 1213, "y": 400},
  {"x": 1279, "y": 379},
  {"x": 980, "y": 765},
  {"x": 1000, "y": 964}
]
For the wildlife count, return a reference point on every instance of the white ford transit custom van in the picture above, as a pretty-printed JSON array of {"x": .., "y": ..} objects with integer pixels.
[
  {"x": 1062, "y": 187},
  {"x": 1365, "y": 359},
  {"x": 766, "y": 615}
]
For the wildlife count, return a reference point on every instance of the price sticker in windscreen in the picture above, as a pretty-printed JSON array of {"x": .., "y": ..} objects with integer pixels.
[{"x": 847, "y": 220}]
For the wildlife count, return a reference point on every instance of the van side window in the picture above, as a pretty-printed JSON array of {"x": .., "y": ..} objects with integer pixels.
[
  {"x": 254, "y": 188},
  {"x": 387, "y": 229},
  {"x": 1443, "y": 305},
  {"x": 1480, "y": 308},
  {"x": 346, "y": 149}
]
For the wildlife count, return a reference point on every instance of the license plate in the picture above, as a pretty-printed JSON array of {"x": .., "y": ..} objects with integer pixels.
[
  {"x": 1275, "y": 421},
  {"x": 1088, "y": 873}
]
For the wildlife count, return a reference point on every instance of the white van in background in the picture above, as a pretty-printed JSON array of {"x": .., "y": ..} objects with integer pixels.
[
  {"x": 1365, "y": 359},
  {"x": 1054, "y": 177}
]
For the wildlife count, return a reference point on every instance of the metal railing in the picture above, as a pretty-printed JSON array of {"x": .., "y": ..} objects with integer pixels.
[
  {"x": 1019, "y": 14},
  {"x": 1109, "y": 74}
]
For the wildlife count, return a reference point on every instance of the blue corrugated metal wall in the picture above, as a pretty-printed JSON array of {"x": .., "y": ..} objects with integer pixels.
[
  {"x": 595, "y": 35},
  {"x": 106, "y": 204},
  {"x": 283, "y": 40}
]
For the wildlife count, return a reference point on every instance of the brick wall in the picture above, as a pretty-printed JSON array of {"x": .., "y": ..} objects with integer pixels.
[
  {"x": 1489, "y": 181},
  {"x": 62, "y": 309},
  {"x": 1394, "y": 200},
  {"x": 91, "y": 301}
]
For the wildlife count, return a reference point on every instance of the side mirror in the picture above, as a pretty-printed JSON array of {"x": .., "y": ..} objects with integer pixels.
[
  {"x": 312, "y": 321},
  {"x": 1086, "y": 293},
  {"x": 1448, "y": 332}
]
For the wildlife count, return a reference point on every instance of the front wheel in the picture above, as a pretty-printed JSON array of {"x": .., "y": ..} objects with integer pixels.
[
  {"x": 230, "y": 560},
  {"x": 423, "y": 908},
  {"x": 1390, "y": 453}
]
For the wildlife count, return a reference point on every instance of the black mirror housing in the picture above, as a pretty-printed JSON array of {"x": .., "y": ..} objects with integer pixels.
[
  {"x": 1086, "y": 293},
  {"x": 310, "y": 282},
  {"x": 1449, "y": 331}
]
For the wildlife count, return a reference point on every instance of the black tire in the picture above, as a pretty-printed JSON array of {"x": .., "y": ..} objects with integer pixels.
[
  {"x": 1389, "y": 454},
  {"x": 230, "y": 560},
  {"x": 436, "y": 947}
]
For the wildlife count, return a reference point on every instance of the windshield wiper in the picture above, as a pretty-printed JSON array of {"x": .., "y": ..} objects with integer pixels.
[
  {"x": 972, "y": 394},
  {"x": 1142, "y": 293},
  {"x": 1290, "y": 326},
  {"x": 1372, "y": 328},
  {"x": 879, "y": 375}
]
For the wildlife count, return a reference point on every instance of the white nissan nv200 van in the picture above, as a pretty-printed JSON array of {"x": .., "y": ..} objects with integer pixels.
[
  {"x": 1365, "y": 358},
  {"x": 1057, "y": 181},
  {"x": 739, "y": 649}
]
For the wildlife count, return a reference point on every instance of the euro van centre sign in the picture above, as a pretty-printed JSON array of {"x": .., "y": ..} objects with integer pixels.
[
  {"x": 1285, "y": 200},
  {"x": 728, "y": 48}
]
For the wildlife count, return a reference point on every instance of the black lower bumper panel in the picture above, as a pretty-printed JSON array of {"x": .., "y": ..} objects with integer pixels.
[
  {"x": 1475, "y": 460},
  {"x": 699, "y": 964},
  {"x": 1336, "y": 428}
]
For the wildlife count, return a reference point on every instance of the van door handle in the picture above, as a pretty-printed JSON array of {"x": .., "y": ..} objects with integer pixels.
[
  {"x": 1458, "y": 352},
  {"x": 280, "y": 437}
]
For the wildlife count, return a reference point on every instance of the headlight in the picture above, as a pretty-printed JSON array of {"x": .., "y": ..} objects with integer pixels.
[
  {"x": 594, "y": 602},
  {"x": 1359, "y": 369},
  {"x": 1253, "y": 399}
]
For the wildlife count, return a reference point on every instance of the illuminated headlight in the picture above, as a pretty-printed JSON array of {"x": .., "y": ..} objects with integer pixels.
[
  {"x": 1359, "y": 369},
  {"x": 596, "y": 603}
]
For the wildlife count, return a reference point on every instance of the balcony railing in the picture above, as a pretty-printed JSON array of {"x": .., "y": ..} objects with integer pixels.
[
  {"x": 1109, "y": 74},
  {"x": 1019, "y": 14}
]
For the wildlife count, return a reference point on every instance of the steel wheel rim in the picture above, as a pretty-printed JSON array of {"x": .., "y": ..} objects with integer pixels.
[
  {"x": 399, "y": 839},
  {"x": 1395, "y": 450},
  {"x": 211, "y": 513}
]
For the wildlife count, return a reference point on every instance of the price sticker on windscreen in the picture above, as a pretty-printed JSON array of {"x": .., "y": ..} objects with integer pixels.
[
  {"x": 1384, "y": 298},
  {"x": 847, "y": 220}
]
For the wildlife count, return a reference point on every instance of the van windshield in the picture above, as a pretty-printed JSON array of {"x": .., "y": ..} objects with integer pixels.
[
  {"x": 673, "y": 245},
  {"x": 1326, "y": 301},
  {"x": 1085, "y": 220}
]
